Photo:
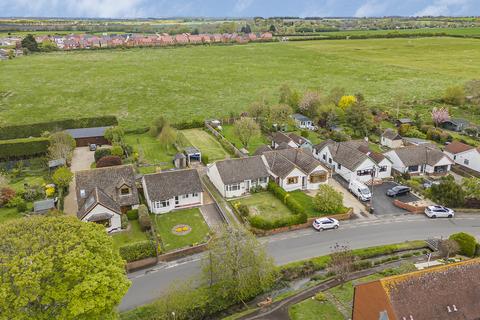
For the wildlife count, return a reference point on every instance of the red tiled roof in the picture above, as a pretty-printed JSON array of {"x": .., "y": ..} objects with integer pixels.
[{"x": 458, "y": 147}]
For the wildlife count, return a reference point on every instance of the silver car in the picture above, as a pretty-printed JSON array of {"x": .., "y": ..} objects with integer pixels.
[
  {"x": 325, "y": 223},
  {"x": 439, "y": 212}
]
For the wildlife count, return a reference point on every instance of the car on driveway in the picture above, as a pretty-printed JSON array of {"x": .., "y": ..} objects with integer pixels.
[
  {"x": 439, "y": 212},
  {"x": 398, "y": 191},
  {"x": 325, "y": 224},
  {"x": 92, "y": 147}
]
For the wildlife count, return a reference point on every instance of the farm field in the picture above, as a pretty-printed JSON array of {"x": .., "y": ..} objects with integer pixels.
[
  {"x": 198, "y": 82},
  {"x": 206, "y": 143}
]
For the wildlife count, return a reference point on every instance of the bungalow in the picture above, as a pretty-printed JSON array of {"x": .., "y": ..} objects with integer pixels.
[
  {"x": 103, "y": 194},
  {"x": 353, "y": 160},
  {"x": 391, "y": 139},
  {"x": 170, "y": 190},
  {"x": 401, "y": 121},
  {"x": 455, "y": 124},
  {"x": 303, "y": 122},
  {"x": 464, "y": 155},
  {"x": 419, "y": 160},
  {"x": 295, "y": 169},
  {"x": 281, "y": 140},
  {"x": 86, "y": 136},
  {"x": 236, "y": 177}
]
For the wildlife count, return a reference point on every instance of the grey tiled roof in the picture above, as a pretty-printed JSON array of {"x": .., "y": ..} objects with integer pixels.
[
  {"x": 87, "y": 132},
  {"x": 279, "y": 137},
  {"x": 418, "y": 155},
  {"x": 282, "y": 162},
  {"x": 300, "y": 117},
  {"x": 168, "y": 184},
  {"x": 298, "y": 140},
  {"x": 260, "y": 150},
  {"x": 238, "y": 170},
  {"x": 391, "y": 134}
]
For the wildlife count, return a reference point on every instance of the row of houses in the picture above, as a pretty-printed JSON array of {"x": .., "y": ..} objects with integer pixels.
[{"x": 86, "y": 41}]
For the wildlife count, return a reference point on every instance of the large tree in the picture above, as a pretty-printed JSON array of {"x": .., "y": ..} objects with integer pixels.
[
  {"x": 246, "y": 129},
  {"x": 168, "y": 136},
  {"x": 61, "y": 146},
  {"x": 59, "y": 268},
  {"x": 341, "y": 262},
  {"x": 309, "y": 103},
  {"x": 359, "y": 118},
  {"x": 448, "y": 193},
  {"x": 62, "y": 178},
  {"x": 280, "y": 114},
  {"x": 30, "y": 43}
]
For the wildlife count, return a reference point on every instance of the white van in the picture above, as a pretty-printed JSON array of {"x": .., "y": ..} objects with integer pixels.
[{"x": 360, "y": 190}]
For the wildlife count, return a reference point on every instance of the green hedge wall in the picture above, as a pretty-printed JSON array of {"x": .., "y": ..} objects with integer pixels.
[
  {"x": 36, "y": 129},
  {"x": 137, "y": 251},
  {"x": 467, "y": 243},
  {"x": 18, "y": 148}
]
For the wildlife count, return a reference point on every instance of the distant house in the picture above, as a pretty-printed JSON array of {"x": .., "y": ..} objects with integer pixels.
[
  {"x": 455, "y": 124},
  {"x": 86, "y": 136},
  {"x": 281, "y": 140},
  {"x": 43, "y": 206},
  {"x": 417, "y": 142},
  {"x": 445, "y": 292},
  {"x": 391, "y": 139},
  {"x": 170, "y": 190},
  {"x": 353, "y": 160},
  {"x": 464, "y": 155},
  {"x": 303, "y": 122},
  {"x": 295, "y": 169},
  {"x": 401, "y": 121},
  {"x": 104, "y": 194},
  {"x": 236, "y": 177},
  {"x": 419, "y": 160}
]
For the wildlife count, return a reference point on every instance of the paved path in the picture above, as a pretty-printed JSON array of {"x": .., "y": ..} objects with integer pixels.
[
  {"x": 302, "y": 244},
  {"x": 350, "y": 201},
  {"x": 81, "y": 160}
]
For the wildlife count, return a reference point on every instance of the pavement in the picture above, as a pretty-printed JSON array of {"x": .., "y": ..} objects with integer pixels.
[
  {"x": 149, "y": 284},
  {"x": 81, "y": 160}
]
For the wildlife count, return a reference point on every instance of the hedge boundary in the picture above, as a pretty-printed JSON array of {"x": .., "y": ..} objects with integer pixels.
[{"x": 25, "y": 147}]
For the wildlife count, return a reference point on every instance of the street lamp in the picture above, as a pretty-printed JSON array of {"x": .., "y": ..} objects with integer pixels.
[{"x": 372, "y": 175}]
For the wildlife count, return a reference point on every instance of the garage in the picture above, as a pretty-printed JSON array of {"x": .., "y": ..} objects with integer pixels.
[{"x": 86, "y": 136}]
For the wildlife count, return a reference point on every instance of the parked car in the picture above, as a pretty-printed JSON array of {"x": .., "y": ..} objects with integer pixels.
[
  {"x": 439, "y": 212},
  {"x": 360, "y": 190},
  {"x": 325, "y": 223},
  {"x": 92, "y": 147},
  {"x": 398, "y": 191}
]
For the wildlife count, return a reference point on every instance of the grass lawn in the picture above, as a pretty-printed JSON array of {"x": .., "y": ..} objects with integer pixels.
[
  {"x": 228, "y": 132},
  {"x": 133, "y": 235},
  {"x": 191, "y": 217},
  {"x": 18, "y": 184},
  {"x": 7, "y": 214},
  {"x": 139, "y": 84},
  {"x": 312, "y": 136},
  {"x": 307, "y": 202},
  {"x": 266, "y": 205},
  {"x": 312, "y": 309},
  {"x": 151, "y": 149},
  {"x": 207, "y": 144}
]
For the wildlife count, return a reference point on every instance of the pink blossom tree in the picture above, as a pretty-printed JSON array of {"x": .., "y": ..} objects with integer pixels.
[{"x": 440, "y": 115}]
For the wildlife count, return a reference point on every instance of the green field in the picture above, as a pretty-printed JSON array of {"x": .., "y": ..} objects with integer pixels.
[
  {"x": 206, "y": 143},
  {"x": 197, "y": 82}
]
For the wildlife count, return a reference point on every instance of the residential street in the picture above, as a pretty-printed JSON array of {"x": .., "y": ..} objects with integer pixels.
[{"x": 297, "y": 245}]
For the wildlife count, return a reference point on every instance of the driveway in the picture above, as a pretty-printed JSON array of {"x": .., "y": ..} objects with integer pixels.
[
  {"x": 349, "y": 200},
  {"x": 383, "y": 204},
  {"x": 81, "y": 160}
]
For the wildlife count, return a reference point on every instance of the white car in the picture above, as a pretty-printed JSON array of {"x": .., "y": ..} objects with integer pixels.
[
  {"x": 325, "y": 223},
  {"x": 439, "y": 212}
]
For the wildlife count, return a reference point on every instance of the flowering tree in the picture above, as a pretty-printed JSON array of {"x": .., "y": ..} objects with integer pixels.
[
  {"x": 347, "y": 101},
  {"x": 440, "y": 115},
  {"x": 309, "y": 103}
]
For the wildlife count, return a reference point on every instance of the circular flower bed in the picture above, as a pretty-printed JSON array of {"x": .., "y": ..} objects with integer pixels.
[{"x": 181, "y": 229}]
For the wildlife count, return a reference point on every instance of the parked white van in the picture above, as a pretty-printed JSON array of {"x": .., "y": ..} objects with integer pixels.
[{"x": 360, "y": 190}]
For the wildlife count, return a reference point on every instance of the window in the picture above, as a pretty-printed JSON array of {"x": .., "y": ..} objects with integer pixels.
[
  {"x": 339, "y": 166},
  {"x": 165, "y": 203},
  {"x": 466, "y": 162},
  {"x": 194, "y": 194},
  {"x": 324, "y": 156},
  {"x": 124, "y": 191},
  {"x": 383, "y": 169},
  {"x": 292, "y": 180},
  {"x": 263, "y": 180},
  {"x": 185, "y": 196},
  {"x": 412, "y": 168},
  {"x": 330, "y": 160},
  {"x": 318, "y": 177},
  {"x": 233, "y": 187},
  {"x": 367, "y": 172}
]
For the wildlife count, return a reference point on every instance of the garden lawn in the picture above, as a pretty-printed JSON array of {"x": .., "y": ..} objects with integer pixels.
[
  {"x": 152, "y": 151},
  {"x": 266, "y": 205},
  {"x": 228, "y": 132},
  {"x": 7, "y": 214},
  {"x": 206, "y": 143},
  {"x": 312, "y": 136},
  {"x": 18, "y": 184},
  {"x": 312, "y": 309},
  {"x": 135, "y": 234},
  {"x": 306, "y": 201},
  {"x": 191, "y": 217}
]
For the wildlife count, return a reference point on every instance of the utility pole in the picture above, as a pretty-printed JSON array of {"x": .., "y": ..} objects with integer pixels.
[{"x": 372, "y": 175}]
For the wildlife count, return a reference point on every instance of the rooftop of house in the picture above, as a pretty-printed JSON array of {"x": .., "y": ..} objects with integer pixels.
[
  {"x": 300, "y": 117},
  {"x": 87, "y": 132},
  {"x": 458, "y": 147},
  {"x": 238, "y": 170},
  {"x": 43, "y": 205},
  {"x": 282, "y": 162},
  {"x": 404, "y": 120},
  {"x": 260, "y": 150},
  {"x": 418, "y": 155},
  {"x": 168, "y": 184},
  {"x": 279, "y": 137},
  {"x": 391, "y": 134}
]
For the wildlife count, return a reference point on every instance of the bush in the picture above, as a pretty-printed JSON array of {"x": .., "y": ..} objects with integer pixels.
[
  {"x": 6, "y": 194},
  {"x": 14, "y": 202},
  {"x": 204, "y": 159},
  {"x": 102, "y": 152},
  {"x": 33, "y": 192},
  {"x": 124, "y": 221},
  {"x": 361, "y": 265},
  {"x": 188, "y": 124},
  {"x": 23, "y": 147},
  {"x": 137, "y": 251},
  {"x": 454, "y": 95},
  {"x": 304, "y": 133},
  {"x": 321, "y": 297},
  {"x": 328, "y": 200},
  {"x": 466, "y": 242},
  {"x": 36, "y": 129},
  {"x": 116, "y": 151},
  {"x": 243, "y": 210},
  {"x": 261, "y": 223},
  {"x": 21, "y": 206},
  {"x": 144, "y": 218},
  {"x": 448, "y": 193},
  {"x": 132, "y": 214},
  {"x": 109, "y": 161}
]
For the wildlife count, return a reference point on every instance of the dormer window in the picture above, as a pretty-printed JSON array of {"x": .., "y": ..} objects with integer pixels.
[
  {"x": 124, "y": 191},
  {"x": 82, "y": 193}
]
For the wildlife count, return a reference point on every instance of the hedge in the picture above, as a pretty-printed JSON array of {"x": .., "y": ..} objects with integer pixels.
[
  {"x": 36, "y": 129},
  {"x": 189, "y": 124},
  {"x": 132, "y": 214},
  {"x": 18, "y": 148},
  {"x": 137, "y": 250},
  {"x": 467, "y": 243},
  {"x": 144, "y": 218}
]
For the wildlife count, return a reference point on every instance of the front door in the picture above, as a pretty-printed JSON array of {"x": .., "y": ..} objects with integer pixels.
[{"x": 304, "y": 182}]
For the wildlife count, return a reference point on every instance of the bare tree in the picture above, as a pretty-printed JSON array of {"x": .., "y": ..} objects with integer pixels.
[
  {"x": 448, "y": 247},
  {"x": 61, "y": 146},
  {"x": 341, "y": 262}
]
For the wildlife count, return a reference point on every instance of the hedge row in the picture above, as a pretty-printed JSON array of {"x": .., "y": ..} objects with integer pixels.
[
  {"x": 189, "y": 124},
  {"x": 137, "y": 250},
  {"x": 369, "y": 36},
  {"x": 36, "y": 129},
  {"x": 19, "y": 148}
]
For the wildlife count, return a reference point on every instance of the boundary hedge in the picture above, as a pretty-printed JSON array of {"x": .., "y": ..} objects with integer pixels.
[
  {"x": 19, "y": 148},
  {"x": 137, "y": 250},
  {"x": 36, "y": 129}
]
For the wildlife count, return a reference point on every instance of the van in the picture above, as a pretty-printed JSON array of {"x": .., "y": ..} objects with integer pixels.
[{"x": 360, "y": 190}]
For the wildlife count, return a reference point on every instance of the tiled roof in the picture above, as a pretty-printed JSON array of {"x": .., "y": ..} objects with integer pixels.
[
  {"x": 300, "y": 117},
  {"x": 282, "y": 162},
  {"x": 297, "y": 139},
  {"x": 391, "y": 134},
  {"x": 418, "y": 155},
  {"x": 260, "y": 150},
  {"x": 458, "y": 147},
  {"x": 238, "y": 170},
  {"x": 87, "y": 132},
  {"x": 168, "y": 184},
  {"x": 279, "y": 137}
]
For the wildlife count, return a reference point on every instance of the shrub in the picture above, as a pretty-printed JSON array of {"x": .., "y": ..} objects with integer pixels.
[
  {"x": 448, "y": 193},
  {"x": 23, "y": 147},
  {"x": 328, "y": 200},
  {"x": 261, "y": 223},
  {"x": 321, "y": 297},
  {"x": 116, "y": 151},
  {"x": 15, "y": 202},
  {"x": 102, "y": 152},
  {"x": 132, "y": 214},
  {"x": 304, "y": 133},
  {"x": 124, "y": 221},
  {"x": 189, "y": 124},
  {"x": 144, "y": 218},
  {"x": 21, "y": 205},
  {"x": 454, "y": 95},
  {"x": 466, "y": 242},
  {"x": 6, "y": 194},
  {"x": 243, "y": 210},
  {"x": 137, "y": 251},
  {"x": 33, "y": 192},
  {"x": 361, "y": 265},
  {"x": 109, "y": 161},
  {"x": 204, "y": 159}
]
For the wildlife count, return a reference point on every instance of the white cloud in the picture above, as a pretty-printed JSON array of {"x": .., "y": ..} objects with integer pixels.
[
  {"x": 446, "y": 8},
  {"x": 242, "y": 5},
  {"x": 371, "y": 8}
]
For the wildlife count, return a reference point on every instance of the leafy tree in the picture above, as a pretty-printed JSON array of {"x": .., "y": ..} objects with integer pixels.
[
  {"x": 471, "y": 187},
  {"x": 62, "y": 177},
  {"x": 6, "y": 194},
  {"x": 168, "y": 136},
  {"x": 289, "y": 96},
  {"x": 440, "y": 115},
  {"x": 47, "y": 46},
  {"x": 328, "y": 200},
  {"x": 246, "y": 29},
  {"x": 454, "y": 95},
  {"x": 30, "y": 43},
  {"x": 73, "y": 271},
  {"x": 280, "y": 114},
  {"x": 341, "y": 262},
  {"x": 61, "y": 146},
  {"x": 115, "y": 135},
  {"x": 359, "y": 118},
  {"x": 3, "y": 180},
  {"x": 257, "y": 110},
  {"x": 466, "y": 242},
  {"x": 448, "y": 193},
  {"x": 117, "y": 151},
  {"x": 309, "y": 104},
  {"x": 102, "y": 152},
  {"x": 448, "y": 247},
  {"x": 272, "y": 28},
  {"x": 157, "y": 126},
  {"x": 335, "y": 95},
  {"x": 347, "y": 101},
  {"x": 237, "y": 267},
  {"x": 109, "y": 161},
  {"x": 246, "y": 129}
]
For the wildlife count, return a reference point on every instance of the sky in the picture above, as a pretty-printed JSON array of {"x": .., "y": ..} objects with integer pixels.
[{"x": 236, "y": 8}]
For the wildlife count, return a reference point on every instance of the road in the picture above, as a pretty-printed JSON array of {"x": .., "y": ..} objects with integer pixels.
[{"x": 297, "y": 245}]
